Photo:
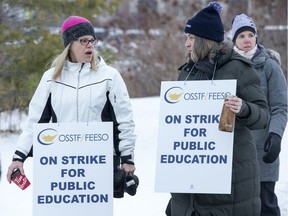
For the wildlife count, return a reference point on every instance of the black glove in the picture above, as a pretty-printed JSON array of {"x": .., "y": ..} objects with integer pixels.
[
  {"x": 272, "y": 148},
  {"x": 131, "y": 184},
  {"x": 119, "y": 179}
]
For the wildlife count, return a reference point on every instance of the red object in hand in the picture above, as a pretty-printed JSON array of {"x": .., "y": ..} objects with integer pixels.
[{"x": 20, "y": 180}]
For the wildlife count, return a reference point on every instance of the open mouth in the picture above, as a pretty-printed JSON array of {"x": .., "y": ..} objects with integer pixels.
[{"x": 88, "y": 53}]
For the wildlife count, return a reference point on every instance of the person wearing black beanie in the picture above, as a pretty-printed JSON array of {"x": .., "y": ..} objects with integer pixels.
[
  {"x": 209, "y": 57},
  {"x": 268, "y": 141}
]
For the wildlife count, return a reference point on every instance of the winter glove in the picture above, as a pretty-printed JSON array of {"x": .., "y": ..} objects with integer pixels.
[
  {"x": 272, "y": 148},
  {"x": 131, "y": 184},
  {"x": 119, "y": 179}
]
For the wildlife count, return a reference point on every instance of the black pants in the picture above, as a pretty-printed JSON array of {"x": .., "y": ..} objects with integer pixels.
[
  {"x": 168, "y": 209},
  {"x": 269, "y": 202}
]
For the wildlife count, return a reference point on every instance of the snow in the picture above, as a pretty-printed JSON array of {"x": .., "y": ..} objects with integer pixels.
[{"x": 146, "y": 202}]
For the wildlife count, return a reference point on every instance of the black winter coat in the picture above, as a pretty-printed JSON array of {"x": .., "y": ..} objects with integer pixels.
[{"x": 244, "y": 199}]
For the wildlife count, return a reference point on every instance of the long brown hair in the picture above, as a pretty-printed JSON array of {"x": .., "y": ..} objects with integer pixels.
[{"x": 205, "y": 49}]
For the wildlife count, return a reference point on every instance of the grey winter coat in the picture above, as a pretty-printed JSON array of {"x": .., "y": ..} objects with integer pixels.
[
  {"x": 244, "y": 199},
  {"x": 275, "y": 89}
]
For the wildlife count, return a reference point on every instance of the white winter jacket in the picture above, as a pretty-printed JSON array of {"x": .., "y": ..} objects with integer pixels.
[{"x": 82, "y": 94}]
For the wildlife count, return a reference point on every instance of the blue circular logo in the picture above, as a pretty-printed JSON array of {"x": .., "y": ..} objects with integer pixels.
[
  {"x": 173, "y": 95},
  {"x": 47, "y": 136}
]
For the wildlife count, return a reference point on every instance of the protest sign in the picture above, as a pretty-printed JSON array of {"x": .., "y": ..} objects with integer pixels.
[
  {"x": 73, "y": 169},
  {"x": 193, "y": 155}
]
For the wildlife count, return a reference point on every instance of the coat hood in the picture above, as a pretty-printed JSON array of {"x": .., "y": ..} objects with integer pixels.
[{"x": 262, "y": 54}]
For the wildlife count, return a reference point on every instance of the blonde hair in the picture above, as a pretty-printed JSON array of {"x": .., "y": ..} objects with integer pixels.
[
  {"x": 59, "y": 61},
  {"x": 205, "y": 49}
]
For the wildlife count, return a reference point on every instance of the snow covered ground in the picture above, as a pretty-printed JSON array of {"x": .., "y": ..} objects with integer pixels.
[{"x": 146, "y": 202}]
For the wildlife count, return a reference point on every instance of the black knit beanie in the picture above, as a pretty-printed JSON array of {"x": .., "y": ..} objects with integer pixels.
[
  {"x": 207, "y": 23},
  {"x": 74, "y": 27}
]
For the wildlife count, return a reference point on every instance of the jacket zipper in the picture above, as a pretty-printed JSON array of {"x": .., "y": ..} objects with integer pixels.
[{"x": 77, "y": 95}]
